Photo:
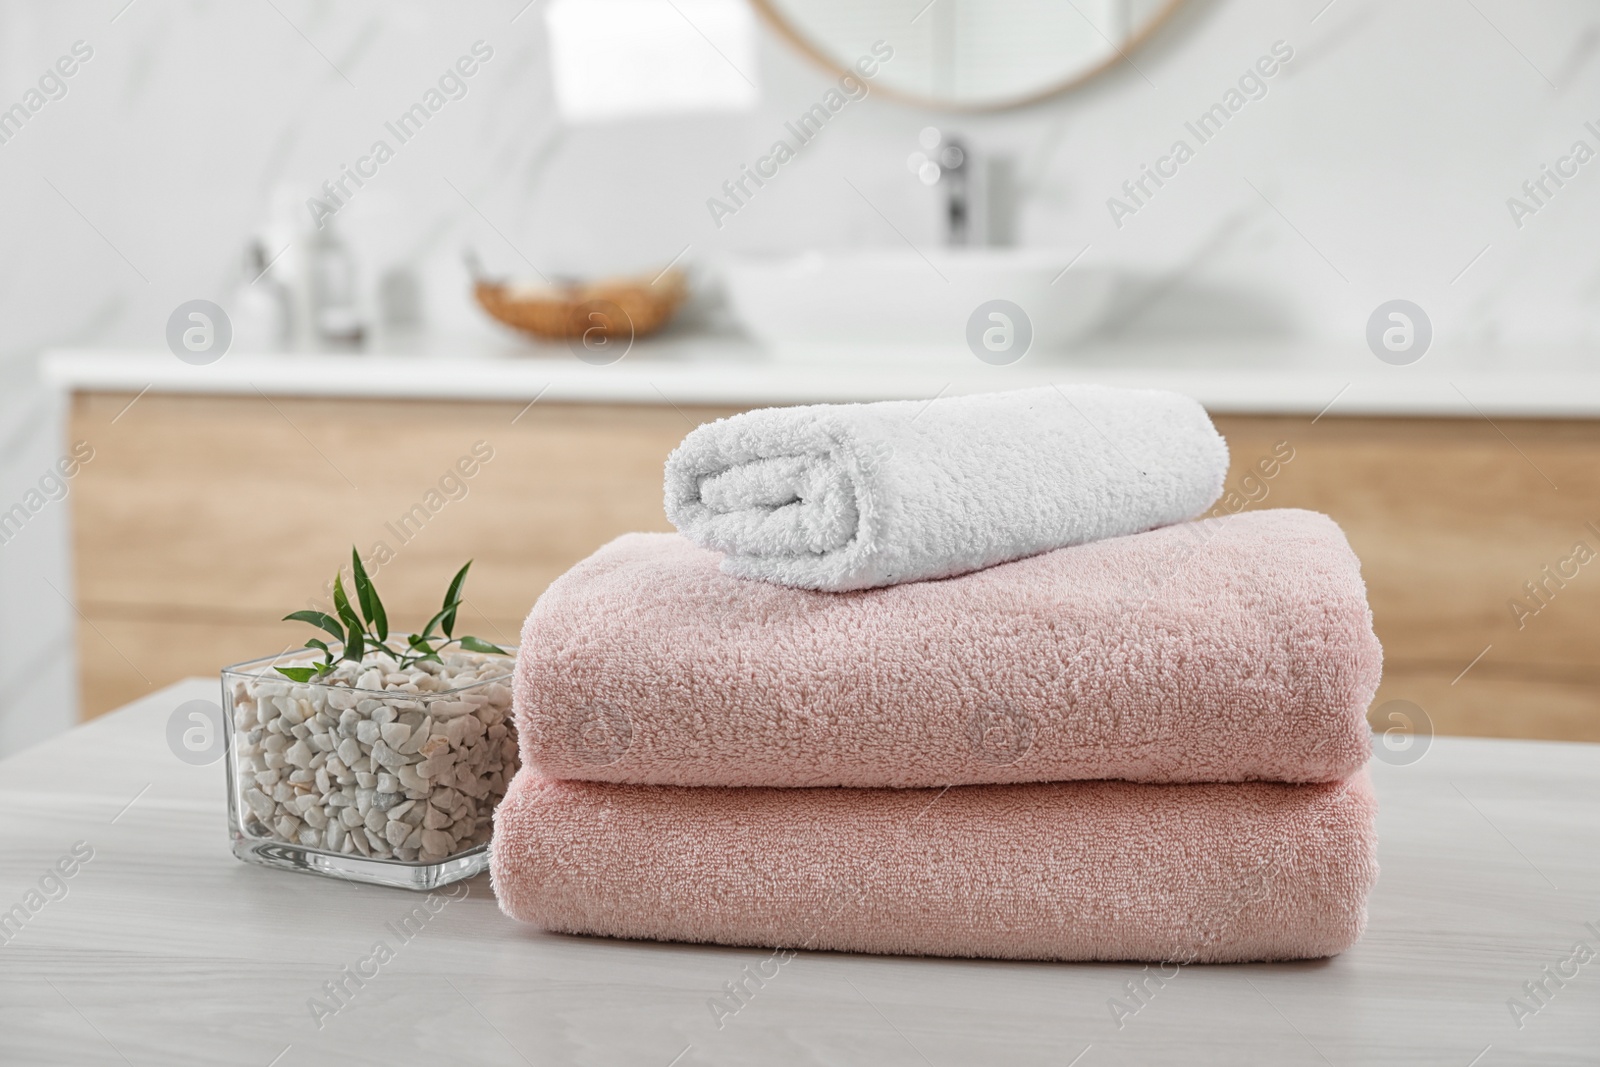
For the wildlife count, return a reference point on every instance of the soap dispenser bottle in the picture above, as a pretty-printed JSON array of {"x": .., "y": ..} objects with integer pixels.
[
  {"x": 260, "y": 313},
  {"x": 334, "y": 295}
]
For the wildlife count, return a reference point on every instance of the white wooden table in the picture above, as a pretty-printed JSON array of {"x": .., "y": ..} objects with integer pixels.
[{"x": 166, "y": 950}]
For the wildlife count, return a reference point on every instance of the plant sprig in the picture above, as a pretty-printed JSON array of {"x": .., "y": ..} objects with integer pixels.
[{"x": 364, "y": 627}]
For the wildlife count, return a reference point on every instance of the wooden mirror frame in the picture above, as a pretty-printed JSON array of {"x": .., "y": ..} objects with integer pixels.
[{"x": 807, "y": 48}]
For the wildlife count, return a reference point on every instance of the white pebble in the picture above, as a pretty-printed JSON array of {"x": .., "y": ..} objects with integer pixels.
[
  {"x": 386, "y": 756},
  {"x": 259, "y": 803},
  {"x": 419, "y": 737}
]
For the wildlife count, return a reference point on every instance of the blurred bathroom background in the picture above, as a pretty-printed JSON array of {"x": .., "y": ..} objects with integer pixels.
[{"x": 1376, "y": 164}]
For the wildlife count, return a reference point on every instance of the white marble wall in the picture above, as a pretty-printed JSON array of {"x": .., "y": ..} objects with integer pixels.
[{"x": 1378, "y": 166}]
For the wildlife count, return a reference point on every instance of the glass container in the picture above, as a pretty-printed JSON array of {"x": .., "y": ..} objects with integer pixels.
[{"x": 370, "y": 773}]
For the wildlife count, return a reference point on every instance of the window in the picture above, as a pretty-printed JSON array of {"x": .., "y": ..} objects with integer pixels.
[{"x": 616, "y": 59}]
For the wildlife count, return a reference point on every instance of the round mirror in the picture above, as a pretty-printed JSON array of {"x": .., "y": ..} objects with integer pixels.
[{"x": 969, "y": 55}]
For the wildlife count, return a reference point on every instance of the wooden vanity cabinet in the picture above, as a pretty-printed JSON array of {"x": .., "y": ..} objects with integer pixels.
[{"x": 201, "y": 520}]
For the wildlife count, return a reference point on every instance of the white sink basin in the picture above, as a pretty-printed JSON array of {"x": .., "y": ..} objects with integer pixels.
[{"x": 817, "y": 303}]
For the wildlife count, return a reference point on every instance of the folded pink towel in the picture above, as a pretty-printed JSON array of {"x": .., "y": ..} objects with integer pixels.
[
  {"x": 1231, "y": 649},
  {"x": 1071, "y": 871}
]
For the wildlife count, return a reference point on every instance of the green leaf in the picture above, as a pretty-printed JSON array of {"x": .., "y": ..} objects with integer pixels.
[
  {"x": 477, "y": 644},
  {"x": 367, "y": 596},
  {"x": 452, "y": 598},
  {"x": 341, "y": 604},
  {"x": 426, "y": 651},
  {"x": 354, "y": 644},
  {"x": 297, "y": 674},
  {"x": 449, "y": 608},
  {"x": 317, "y": 618},
  {"x": 327, "y": 653}
]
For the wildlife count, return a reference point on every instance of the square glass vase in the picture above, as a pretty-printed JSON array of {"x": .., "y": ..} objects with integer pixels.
[{"x": 369, "y": 774}]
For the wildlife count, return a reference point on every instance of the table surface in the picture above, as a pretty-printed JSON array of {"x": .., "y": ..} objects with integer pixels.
[
  {"x": 167, "y": 950},
  {"x": 1228, "y": 378}
]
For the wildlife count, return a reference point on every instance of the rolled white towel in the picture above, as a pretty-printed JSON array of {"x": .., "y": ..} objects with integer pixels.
[{"x": 855, "y": 496}]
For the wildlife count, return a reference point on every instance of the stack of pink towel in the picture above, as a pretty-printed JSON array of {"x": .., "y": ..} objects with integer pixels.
[{"x": 1145, "y": 747}]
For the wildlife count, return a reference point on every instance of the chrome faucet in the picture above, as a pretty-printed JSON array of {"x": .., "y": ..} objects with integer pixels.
[{"x": 944, "y": 161}]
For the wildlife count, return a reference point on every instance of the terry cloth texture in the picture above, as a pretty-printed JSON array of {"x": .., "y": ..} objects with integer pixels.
[
  {"x": 1224, "y": 650},
  {"x": 1072, "y": 871},
  {"x": 856, "y": 496}
]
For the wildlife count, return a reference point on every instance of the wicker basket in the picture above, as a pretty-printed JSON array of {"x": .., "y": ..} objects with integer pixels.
[{"x": 613, "y": 308}]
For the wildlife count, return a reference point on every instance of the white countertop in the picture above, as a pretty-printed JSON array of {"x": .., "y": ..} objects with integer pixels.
[
  {"x": 1260, "y": 379},
  {"x": 165, "y": 949}
]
